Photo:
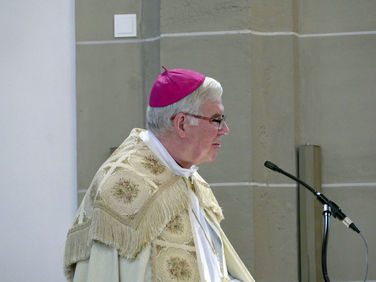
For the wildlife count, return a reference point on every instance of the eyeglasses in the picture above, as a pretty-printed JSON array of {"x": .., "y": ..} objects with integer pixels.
[{"x": 220, "y": 121}]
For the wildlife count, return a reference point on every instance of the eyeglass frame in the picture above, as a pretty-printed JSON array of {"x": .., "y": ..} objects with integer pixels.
[{"x": 220, "y": 122}]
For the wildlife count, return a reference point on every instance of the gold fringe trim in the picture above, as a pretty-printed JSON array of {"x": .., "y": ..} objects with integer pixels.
[
  {"x": 128, "y": 236},
  {"x": 76, "y": 248}
]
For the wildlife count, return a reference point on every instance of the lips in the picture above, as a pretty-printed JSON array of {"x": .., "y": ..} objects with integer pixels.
[{"x": 217, "y": 145}]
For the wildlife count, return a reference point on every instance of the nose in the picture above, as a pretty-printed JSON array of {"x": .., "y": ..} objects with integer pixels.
[{"x": 224, "y": 130}]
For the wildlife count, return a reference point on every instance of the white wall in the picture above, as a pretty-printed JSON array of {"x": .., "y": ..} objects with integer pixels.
[{"x": 38, "y": 137}]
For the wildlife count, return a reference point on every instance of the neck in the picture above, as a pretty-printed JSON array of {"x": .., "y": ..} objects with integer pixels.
[{"x": 173, "y": 146}]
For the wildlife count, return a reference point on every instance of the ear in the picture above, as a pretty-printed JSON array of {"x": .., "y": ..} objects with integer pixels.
[{"x": 180, "y": 122}]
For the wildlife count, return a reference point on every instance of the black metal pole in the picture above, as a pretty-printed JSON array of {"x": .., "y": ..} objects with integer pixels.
[{"x": 327, "y": 214}]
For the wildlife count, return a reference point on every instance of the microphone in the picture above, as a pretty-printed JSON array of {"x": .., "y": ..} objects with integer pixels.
[{"x": 336, "y": 211}]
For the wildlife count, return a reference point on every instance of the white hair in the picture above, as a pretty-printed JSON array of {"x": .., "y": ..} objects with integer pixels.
[{"x": 158, "y": 119}]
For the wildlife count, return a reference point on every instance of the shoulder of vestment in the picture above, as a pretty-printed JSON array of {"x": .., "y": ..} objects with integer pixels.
[{"x": 131, "y": 199}]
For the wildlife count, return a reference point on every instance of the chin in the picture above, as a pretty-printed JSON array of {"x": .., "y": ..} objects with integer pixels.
[
  {"x": 208, "y": 158},
  {"x": 212, "y": 158}
]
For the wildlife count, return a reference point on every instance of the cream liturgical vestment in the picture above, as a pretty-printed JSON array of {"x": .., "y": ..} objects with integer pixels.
[{"x": 135, "y": 223}]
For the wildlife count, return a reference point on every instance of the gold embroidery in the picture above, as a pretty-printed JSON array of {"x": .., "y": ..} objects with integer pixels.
[
  {"x": 178, "y": 230},
  {"x": 125, "y": 190},
  {"x": 93, "y": 191},
  {"x": 175, "y": 225},
  {"x": 114, "y": 160},
  {"x": 179, "y": 269},
  {"x": 106, "y": 169},
  {"x": 193, "y": 254},
  {"x": 191, "y": 243},
  {"x": 158, "y": 249},
  {"x": 153, "y": 165},
  {"x": 173, "y": 264},
  {"x": 84, "y": 218},
  {"x": 118, "y": 168},
  {"x": 157, "y": 184}
]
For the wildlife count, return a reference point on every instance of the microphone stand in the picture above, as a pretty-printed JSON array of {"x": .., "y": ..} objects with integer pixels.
[
  {"x": 329, "y": 208},
  {"x": 327, "y": 213}
]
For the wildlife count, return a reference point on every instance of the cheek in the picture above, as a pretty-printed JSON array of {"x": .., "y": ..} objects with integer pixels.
[
  {"x": 208, "y": 142},
  {"x": 205, "y": 141}
]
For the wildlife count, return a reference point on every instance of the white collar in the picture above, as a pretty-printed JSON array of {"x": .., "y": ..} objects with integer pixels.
[{"x": 160, "y": 151}]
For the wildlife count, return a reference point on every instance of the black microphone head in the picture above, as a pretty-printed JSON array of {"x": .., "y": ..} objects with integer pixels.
[{"x": 271, "y": 166}]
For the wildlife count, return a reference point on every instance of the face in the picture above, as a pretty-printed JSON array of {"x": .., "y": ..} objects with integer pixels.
[{"x": 204, "y": 139}]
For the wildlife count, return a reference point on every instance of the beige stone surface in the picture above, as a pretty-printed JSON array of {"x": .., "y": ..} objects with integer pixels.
[
  {"x": 109, "y": 102},
  {"x": 151, "y": 68},
  {"x": 275, "y": 234},
  {"x": 273, "y": 106},
  {"x": 272, "y": 15},
  {"x": 197, "y": 15},
  {"x": 322, "y": 16},
  {"x": 337, "y": 104},
  {"x": 149, "y": 18}
]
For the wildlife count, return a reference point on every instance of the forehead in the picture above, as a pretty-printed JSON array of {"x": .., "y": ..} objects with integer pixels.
[{"x": 211, "y": 108}]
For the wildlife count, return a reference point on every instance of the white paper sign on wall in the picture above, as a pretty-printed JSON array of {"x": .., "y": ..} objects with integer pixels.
[{"x": 125, "y": 25}]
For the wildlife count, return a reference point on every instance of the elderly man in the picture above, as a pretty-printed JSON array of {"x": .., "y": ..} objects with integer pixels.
[{"x": 148, "y": 215}]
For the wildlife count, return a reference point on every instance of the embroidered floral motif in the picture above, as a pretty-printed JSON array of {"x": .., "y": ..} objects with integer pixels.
[
  {"x": 93, "y": 191},
  {"x": 176, "y": 225},
  {"x": 125, "y": 190},
  {"x": 179, "y": 269},
  {"x": 158, "y": 249},
  {"x": 106, "y": 169},
  {"x": 114, "y": 160},
  {"x": 191, "y": 243},
  {"x": 118, "y": 168},
  {"x": 153, "y": 165},
  {"x": 155, "y": 187},
  {"x": 158, "y": 182},
  {"x": 99, "y": 197},
  {"x": 193, "y": 254},
  {"x": 131, "y": 217},
  {"x": 84, "y": 218}
]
